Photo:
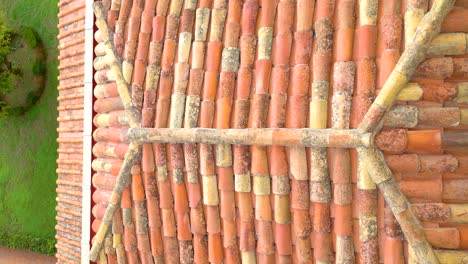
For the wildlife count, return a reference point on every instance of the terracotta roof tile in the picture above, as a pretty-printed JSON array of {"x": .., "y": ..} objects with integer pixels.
[{"x": 221, "y": 64}]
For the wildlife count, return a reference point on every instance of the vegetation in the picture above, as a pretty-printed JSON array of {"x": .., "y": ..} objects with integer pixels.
[
  {"x": 33, "y": 243},
  {"x": 9, "y": 72},
  {"x": 21, "y": 83},
  {"x": 28, "y": 151}
]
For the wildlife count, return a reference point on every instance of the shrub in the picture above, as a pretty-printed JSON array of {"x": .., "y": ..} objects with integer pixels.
[
  {"x": 20, "y": 50},
  {"x": 7, "y": 81},
  {"x": 8, "y": 72},
  {"x": 39, "y": 67},
  {"x": 6, "y": 36}
]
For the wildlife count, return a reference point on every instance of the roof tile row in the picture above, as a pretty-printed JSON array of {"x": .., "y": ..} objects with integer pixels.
[{"x": 71, "y": 48}]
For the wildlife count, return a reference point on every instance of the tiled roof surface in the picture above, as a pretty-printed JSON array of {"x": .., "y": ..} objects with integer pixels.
[
  {"x": 70, "y": 155},
  {"x": 240, "y": 64}
]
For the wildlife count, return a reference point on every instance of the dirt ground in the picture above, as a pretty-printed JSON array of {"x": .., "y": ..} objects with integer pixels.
[{"x": 14, "y": 256}]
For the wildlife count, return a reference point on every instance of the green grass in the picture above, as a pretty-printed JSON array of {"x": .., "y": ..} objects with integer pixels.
[
  {"x": 28, "y": 144},
  {"x": 33, "y": 243}
]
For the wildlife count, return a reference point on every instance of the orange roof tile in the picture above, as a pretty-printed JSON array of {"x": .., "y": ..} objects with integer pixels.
[{"x": 257, "y": 64}]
